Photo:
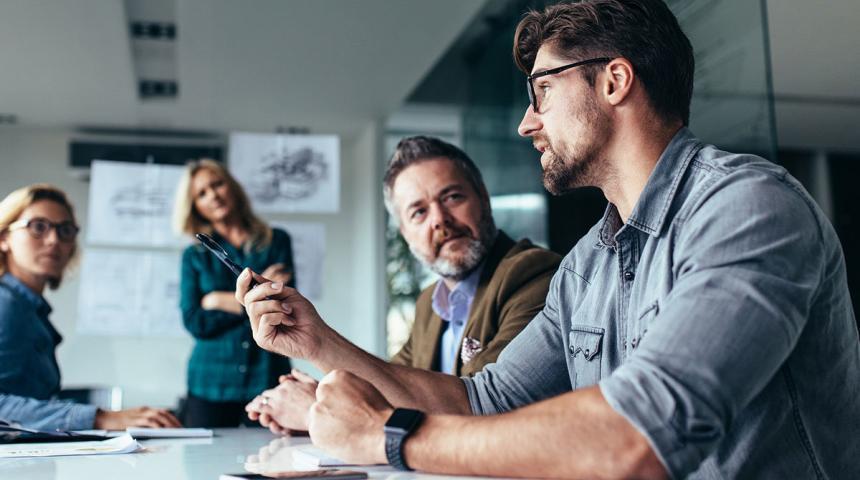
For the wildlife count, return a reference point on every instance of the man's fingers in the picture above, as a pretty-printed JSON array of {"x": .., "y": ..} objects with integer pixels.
[
  {"x": 242, "y": 283},
  {"x": 262, "y": 307},
  {"x": 302, "y": 376},
  {"x": 264, "y": 291},
  {"x": 272, "y": 320}
]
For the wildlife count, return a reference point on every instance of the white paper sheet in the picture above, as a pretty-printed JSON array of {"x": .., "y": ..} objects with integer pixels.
[
  {"x": 288, "y": 173},
  {"x": 308, "y": 240},
  {"x": 122, "y": 444},
  {"x": 132, "y": 204},
  {"x": 129, "y": 292}
]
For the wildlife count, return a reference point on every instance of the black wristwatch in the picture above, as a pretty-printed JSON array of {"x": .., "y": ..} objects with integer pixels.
[{"x": 401, "y": 423}]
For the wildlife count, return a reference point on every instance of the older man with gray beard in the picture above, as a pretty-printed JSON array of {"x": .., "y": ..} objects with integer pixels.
[{"x": 490, "y": 286}]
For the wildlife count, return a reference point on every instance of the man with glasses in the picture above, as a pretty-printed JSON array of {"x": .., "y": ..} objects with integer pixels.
[{"x": 703, "y": 328}]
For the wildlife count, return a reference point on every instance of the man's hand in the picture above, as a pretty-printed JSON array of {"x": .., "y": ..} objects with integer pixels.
[
  {"x": 285, "y": 408},
  {"x": 282, "y": 321},
  {"x": 348, "y": 418},
  {"x": 135, "y": 417}
]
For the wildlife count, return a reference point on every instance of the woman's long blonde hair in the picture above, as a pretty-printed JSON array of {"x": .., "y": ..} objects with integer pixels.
[
  {"x": 16, "y": 202},
  {"x": 187, "y": 220}
]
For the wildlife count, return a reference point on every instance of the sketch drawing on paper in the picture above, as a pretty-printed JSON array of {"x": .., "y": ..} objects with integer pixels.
[
  {"x": 289, "y": 175},
  {"x": 141, "y": 201}
]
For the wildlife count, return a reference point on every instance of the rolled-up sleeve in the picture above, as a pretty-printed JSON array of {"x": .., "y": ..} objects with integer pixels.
[
  {"x": 746, "y": 273},
  {"x": 529, "y": 369}
]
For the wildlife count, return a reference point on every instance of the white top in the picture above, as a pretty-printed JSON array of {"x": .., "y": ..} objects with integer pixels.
[{"x": 231, "y": 450}]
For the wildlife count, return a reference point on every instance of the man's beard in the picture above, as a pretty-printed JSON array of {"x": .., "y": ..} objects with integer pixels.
[
  {"x": 476, "y": 249},
  {"x": 567, "y": 170}
]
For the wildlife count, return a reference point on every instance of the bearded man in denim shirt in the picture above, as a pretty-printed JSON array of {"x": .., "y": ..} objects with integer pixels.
[{"x": 703, "y": 328}]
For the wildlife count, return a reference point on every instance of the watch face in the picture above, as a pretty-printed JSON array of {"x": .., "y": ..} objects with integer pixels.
[{"x": 403, "y": 419}]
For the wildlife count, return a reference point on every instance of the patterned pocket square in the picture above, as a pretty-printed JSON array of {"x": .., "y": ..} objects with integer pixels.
[{"x": 471, "y": 347}]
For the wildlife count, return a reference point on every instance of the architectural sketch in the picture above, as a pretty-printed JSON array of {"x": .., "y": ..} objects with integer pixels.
[
  {"x": 131, "y": 204},
  {"x": 142, "y": 201},
  {"x": 288, "y": 173},
  {"x": 129, "y": 293}
]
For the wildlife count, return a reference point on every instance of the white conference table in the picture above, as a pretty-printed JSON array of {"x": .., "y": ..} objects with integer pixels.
[{"x": 231, "y": 450}]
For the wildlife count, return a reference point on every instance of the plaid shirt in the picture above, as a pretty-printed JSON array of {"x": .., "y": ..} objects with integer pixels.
[{"x": 226, "y": 365}]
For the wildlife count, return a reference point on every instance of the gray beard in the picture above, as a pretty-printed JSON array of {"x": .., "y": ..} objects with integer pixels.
[
  {"x": 476, "y": 250},
  {"x": 445, "y": 268}
]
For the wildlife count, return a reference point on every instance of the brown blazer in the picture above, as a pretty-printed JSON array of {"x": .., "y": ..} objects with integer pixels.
[{"x": 511, "y": 291}]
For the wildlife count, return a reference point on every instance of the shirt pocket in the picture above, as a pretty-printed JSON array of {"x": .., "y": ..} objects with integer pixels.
[{"x": 586, "y": 343}]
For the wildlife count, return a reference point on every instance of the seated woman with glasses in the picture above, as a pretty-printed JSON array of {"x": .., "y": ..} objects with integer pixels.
[{"x": 38, "y": 236}]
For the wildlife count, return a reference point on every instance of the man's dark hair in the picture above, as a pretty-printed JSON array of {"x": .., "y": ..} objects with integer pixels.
[
  {"x": 412, "y": 150},
  {"x": 645, "y": 32}
]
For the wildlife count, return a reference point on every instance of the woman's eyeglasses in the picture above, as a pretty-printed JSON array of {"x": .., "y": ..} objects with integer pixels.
[{"x": 39, "y": 227}]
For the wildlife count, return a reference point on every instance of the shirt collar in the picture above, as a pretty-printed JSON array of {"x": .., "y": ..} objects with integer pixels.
[
  {"x": 442, "y": 297},
  {"x": 652, "y": 207},
  {"x": 24, "y": 293}
]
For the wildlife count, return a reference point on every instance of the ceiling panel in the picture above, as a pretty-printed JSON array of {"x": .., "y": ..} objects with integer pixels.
[
  {"x": 65, "y": 61},
  {"x": 330, "y": 65}
]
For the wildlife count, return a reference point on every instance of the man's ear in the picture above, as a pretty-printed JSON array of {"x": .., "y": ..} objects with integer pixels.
[{"x": 618, "y": 81}]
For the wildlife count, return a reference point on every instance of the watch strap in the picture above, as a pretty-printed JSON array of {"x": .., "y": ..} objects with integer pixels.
[{"x": 394, "y": 451}]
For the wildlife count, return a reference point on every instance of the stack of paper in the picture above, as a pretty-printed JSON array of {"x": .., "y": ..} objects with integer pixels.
[{"x": 122, "y": 444}]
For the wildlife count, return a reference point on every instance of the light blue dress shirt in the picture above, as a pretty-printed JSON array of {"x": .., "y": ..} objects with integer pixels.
[
  {"x": 29, "y": 375},
  {"x": 716, "y": 319},
  {"x": 453, "y": 307}
]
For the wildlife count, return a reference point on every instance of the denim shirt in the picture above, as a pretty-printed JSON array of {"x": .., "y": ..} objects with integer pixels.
[
  {"x": 717, "y": 320},
  {"x": 453, "y": 307},
  {"x": 29, "y": 375}
]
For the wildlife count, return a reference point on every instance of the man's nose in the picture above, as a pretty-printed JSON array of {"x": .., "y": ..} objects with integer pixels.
[
  {"x": 439, "y": 216},
  {"x": 530, "y": 123}
]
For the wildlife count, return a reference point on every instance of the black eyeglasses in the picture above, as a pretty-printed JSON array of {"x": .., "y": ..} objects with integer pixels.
[
  {"x": 39, "y": 227},
  {"x": 534, "y": 97}
]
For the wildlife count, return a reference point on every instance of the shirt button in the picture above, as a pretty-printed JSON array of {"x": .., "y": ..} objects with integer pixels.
[
  {"x": 245, "y": 345},
  {"x": 243, "y": 369},
  {"x": 628, "y": 275}
]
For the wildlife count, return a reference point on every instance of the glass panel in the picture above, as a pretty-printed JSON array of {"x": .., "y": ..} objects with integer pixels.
[{"x": 732, "y": 107}]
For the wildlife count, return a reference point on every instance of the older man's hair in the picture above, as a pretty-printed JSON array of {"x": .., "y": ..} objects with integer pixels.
[{"x": 414, "y": 150}]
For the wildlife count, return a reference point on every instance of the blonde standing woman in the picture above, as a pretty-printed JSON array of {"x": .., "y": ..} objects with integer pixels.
[
  {"x": 227, "y": 369},
  {"x": 38, "y": 239}
]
